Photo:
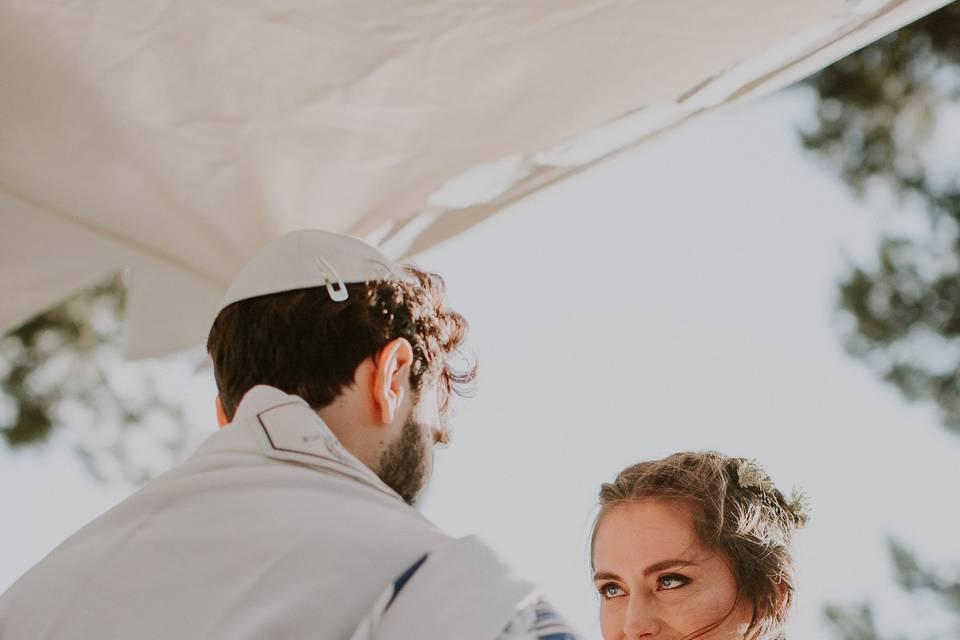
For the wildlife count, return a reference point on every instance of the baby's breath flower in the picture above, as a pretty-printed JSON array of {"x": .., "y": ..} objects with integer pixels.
[
  {"x": 800, "y": 505},
  {"x": 751, "y": 475}
]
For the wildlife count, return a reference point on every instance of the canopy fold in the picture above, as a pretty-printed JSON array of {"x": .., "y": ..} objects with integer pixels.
[{"x": 173, "y": 139}]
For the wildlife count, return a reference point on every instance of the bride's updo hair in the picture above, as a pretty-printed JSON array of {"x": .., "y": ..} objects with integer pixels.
[{"x": 737, "y": 511}]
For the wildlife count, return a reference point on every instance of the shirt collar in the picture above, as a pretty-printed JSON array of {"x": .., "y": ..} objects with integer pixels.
[{"x": 287, "y": 428}]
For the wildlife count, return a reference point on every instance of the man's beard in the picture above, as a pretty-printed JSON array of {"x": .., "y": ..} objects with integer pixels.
[{"x": 403, "y": 464}]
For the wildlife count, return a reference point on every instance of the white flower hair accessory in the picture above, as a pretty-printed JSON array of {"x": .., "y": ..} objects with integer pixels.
[
  {"x": 800, "y": 506},
  {"x": 750, "y": 475}
]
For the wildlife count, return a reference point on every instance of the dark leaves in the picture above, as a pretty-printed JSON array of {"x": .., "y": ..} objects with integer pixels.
[
  {"x": 878, "y": 111},
  {"x": 63, "y": 373}
]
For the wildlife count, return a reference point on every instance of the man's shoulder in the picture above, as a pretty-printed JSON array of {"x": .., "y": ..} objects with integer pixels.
[
  {"x": 464, "y": 590},
  {"x": 233, "y": 528}
]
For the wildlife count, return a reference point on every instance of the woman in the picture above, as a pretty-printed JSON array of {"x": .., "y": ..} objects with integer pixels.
[{"x": 696, "y": 545}]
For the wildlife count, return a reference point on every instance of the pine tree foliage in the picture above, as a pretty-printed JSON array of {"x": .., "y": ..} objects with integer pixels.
[
  {"x": 854, "y": 622},
  {"x": 923, "y": 584},
  {"x": 888, "y": 119},
  {"x": 64, "y": 371}
]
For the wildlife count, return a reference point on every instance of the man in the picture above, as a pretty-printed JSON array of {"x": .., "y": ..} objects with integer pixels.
[{"x": 296, "y": 519}]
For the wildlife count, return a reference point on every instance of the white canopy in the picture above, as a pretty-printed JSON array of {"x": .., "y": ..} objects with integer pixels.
[{"x": 173, "y": 139}]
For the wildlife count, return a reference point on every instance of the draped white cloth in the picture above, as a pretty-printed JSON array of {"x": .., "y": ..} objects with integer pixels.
[{"x": 173, "y": 139}]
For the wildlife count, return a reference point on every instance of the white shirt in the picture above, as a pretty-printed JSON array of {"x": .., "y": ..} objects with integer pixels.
[{"x": 270, "y": 530}]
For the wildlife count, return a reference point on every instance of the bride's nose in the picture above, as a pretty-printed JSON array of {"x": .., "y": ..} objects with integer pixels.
[{"x": 641, "y": 621}]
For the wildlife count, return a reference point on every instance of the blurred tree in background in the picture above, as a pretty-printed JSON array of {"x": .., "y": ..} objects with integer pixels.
[
  {"x": 66, "y": 366},
  {"x": 888, "y": 120},
  {"x": 858, "y": 622}
]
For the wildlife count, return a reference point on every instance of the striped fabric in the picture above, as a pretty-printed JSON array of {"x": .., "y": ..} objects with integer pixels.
[{"x": 538, "y": 621}]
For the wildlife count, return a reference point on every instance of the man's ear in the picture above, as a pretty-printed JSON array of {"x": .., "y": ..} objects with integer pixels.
[
  {"x": 391, "y": 378},
  {"x": 221, "y": 414}
]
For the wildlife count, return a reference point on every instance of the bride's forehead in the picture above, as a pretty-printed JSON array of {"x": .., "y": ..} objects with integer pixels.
[{"x": 646, "y": 528}]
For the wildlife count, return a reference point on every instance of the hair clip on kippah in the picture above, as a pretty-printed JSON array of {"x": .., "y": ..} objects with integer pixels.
[{"x": 335, "y": 286}]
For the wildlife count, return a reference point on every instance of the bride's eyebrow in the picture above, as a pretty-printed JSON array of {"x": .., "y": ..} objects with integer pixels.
[
  {"x": 654, "y": 568},
  {"x": 606, "y": 575},
  {"x": 667, "y": 564}
]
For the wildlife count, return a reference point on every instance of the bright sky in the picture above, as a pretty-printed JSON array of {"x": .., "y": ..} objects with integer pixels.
[{"x": 678, "y": 297}]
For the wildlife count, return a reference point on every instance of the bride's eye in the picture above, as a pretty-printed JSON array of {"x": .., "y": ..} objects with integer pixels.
[
  {"x": 672, "y": 581},
  {"x": 610, "y": 591}
]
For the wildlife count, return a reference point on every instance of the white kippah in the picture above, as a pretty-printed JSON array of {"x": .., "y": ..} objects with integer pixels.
[{"x": 310, "y": 258}]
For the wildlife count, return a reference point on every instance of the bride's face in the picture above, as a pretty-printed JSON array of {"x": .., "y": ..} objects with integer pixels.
[{"x": 658, "y": 582}]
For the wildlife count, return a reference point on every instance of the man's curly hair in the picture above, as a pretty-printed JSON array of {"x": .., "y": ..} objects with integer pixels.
[{"x": 306, "y": 344}]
